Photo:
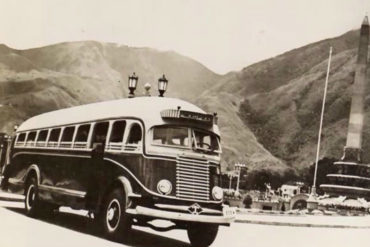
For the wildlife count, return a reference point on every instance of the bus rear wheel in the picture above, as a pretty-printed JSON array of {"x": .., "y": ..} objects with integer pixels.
[
  {"x": 202, "y": 234},
  {"x": 31, "y": 199},
  {"x": 113, "y": 217}
]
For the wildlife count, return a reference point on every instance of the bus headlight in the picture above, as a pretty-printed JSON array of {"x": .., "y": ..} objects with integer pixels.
[
  {"x": 217, "y": 193},
  {"x": 164, "y": 187}
]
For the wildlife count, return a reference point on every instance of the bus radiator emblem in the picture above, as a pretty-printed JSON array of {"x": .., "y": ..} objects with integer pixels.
[{"x": 195, "y": 209}]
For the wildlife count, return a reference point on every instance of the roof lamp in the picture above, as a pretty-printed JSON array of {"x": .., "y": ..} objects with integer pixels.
[
  {"x": 132, "y": 83},
  {"x": 162, "y": 85}
]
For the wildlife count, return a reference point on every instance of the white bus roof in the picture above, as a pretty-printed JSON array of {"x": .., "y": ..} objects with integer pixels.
[{"x": 147, "y": 109}]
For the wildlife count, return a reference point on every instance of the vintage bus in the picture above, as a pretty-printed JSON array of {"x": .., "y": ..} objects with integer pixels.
[{"x": 128, "y": 162}]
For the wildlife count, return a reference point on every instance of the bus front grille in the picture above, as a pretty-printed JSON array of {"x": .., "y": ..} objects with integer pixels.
[{"x": 192, "y": 177}]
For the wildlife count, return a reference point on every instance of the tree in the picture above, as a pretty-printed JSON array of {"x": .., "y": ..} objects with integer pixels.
[
  {"x": 325, "y": 166},
  {"x": 247, "y": 201}
]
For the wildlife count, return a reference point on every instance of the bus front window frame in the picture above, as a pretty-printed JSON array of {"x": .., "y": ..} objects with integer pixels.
[
  {"x": 187, "y": 147},
  {"x": 196, "y": 147},
  {"x": 132, "y": 147},
  {"x": 192, "y": 139}
]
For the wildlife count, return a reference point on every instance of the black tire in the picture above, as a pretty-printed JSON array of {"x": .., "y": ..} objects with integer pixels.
[
  {"x": 31, "y": 198},
  {"x": 201, "y": 234},
  {"x": 113, "y": 218}
]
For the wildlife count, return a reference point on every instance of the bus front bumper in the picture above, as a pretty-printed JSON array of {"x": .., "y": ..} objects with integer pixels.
[{"x": 227, "y": 217}]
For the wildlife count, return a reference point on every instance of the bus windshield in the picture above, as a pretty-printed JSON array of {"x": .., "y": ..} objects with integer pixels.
[
  {"x": 184, "y": 137},
  {"x": 205, "y": 141}
]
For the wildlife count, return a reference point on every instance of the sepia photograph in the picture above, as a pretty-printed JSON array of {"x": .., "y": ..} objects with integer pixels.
[{"x": 184, "y": 123}]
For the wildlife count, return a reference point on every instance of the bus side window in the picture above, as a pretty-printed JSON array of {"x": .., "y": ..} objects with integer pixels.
[
  {"x": 135, "y": 135},
  {"x": 116, "y": 137},
  {"x": 82, "y": 136},
  {"x": 31, "y": 138},
  {"x": 100, "y": 133},
  {"x": 54, "y": 138},
  {"x": 67, "y": 137},
  {"x": 21, "y": 139},
  {"x": 41, "y": 139}
]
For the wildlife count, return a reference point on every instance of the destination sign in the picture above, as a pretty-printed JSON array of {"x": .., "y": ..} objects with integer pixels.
[
  {"x": 195, "y": 116},
  {"x": 188, "y": 115}
]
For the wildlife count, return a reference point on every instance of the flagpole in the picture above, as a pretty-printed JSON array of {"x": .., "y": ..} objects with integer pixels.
[{"x": 313, "y": 191}]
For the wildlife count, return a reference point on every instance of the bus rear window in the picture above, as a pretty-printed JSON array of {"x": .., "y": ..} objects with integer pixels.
[
  {"x": 21, "y": 137},
  {"x": 171, "y": 136},
  {"x": 54, "y": 135},
  {"x": 100, "y": 132},
  {"x": 118, "y": 130},
  {"x": 68, "y": 134},
  {"x": 82, "y": 133},
  {"x": 42, "y": 136},
  {"x": 31, "y": 136}
]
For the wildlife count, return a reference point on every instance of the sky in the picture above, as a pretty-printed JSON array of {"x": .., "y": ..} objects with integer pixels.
[{"x": 224, "y": 35}]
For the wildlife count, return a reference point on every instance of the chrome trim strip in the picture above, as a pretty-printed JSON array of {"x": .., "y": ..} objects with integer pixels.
[
  {"x": 133, "y": 195},
  {"x": 194, "y": 183},
  {"x": 184, "y": 176},
  {"x": 186, "y": 208},
  {"x": 191, "y": 171},
  {"x": 161, "y": 214},
  {"x": 70, "y": 192},
  {"x": 53, "y": 154},
  {"x": 76, "y": 193}
]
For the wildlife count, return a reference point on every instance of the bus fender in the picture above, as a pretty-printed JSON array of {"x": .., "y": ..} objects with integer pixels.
[
  {"x": 33, "y": 168},
  {"x": 125, "y": 184}
]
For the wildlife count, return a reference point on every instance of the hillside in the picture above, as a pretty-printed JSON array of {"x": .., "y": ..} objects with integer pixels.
[
  {"x": 62, "y": 75},
  {"x": 285, "y": 114},
  {"x": 279, "y": 99}
]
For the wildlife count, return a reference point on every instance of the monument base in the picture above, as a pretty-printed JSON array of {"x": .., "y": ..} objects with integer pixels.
[{"x": 352, "y": 154}]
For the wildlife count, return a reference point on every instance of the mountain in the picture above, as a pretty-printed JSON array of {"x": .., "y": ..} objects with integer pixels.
[
  {"x": 62, "y": 75},
  {"x": 281, "y": 100},
  {"x": 268, "y": 112}
]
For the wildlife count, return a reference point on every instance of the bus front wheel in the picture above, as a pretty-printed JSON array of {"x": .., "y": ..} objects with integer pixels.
[
  {"x": 113, "y": 216},
  {"x": 31, "y": 199},
  {"x": 201, "y": 234}
]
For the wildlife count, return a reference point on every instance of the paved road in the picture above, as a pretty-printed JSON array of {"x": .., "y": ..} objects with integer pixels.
[{"x": 69, "y": 230}]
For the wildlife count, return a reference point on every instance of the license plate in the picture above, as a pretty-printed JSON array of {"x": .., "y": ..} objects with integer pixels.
[{"x": 228, "y": 211}]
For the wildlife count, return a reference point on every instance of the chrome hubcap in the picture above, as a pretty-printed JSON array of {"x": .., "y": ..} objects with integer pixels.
[{"x": 113, "y": 215}]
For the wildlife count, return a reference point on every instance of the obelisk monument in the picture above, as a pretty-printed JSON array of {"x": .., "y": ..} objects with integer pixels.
[
  {"x": 352, "y": 150},
  {"x": 352, "y": 179}
]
